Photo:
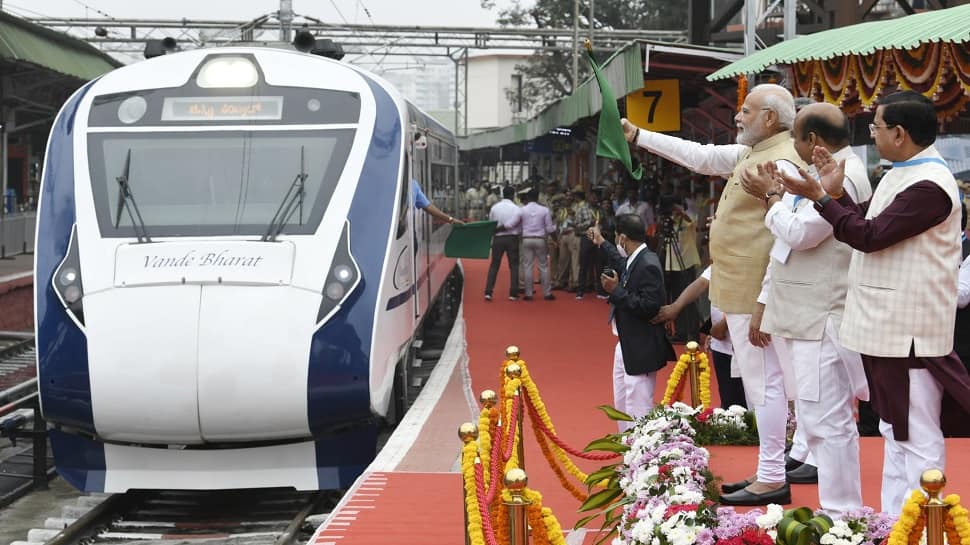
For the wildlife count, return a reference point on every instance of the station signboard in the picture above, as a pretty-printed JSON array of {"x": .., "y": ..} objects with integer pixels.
[{"x": 656, "y": 107}]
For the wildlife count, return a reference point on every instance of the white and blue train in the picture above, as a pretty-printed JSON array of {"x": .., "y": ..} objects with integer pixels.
[{"x": 230, "y": 270}]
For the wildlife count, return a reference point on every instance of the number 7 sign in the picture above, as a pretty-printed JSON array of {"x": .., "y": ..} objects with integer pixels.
[{"x": 657, "y": 106}]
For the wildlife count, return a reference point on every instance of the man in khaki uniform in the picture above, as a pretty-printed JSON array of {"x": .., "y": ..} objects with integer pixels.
[{"x": 739, "y": 246}]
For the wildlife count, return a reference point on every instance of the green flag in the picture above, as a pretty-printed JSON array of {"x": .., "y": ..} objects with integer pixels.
[{"x": 610, "y": 142}]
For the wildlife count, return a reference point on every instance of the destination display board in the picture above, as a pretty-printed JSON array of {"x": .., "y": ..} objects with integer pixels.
[{"x": 242, "y": 108}]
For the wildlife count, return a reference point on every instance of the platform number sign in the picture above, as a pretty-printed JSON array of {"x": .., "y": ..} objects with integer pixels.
[{"x": 657, "y": 106}]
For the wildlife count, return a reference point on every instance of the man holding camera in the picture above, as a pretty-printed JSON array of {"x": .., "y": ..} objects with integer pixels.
[{"x": 636, "y": 293}]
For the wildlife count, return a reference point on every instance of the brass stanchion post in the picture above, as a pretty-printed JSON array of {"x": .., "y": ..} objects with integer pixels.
[
  {"x": 516, "y": 481},
  {"x": 932, "y": 482},
  {"x": 467, "y": 432},
  {"x": 693, "y": 370},
  {"x": 514, "y": 370}
]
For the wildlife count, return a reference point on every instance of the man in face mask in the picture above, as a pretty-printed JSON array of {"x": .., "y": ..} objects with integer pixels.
[{"x": 634, "y": 281}]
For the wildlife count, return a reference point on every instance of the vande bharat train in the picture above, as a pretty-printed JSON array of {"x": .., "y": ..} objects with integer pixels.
[{"x": 230, "y": 270}]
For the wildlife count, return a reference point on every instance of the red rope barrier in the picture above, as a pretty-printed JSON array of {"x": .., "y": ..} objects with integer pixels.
[
  {"x": 538, "y": 423},
  {"x": 483, "y": 507},
  {"x": 496, "y": 463},
  {"x": 513, "y": 425}
]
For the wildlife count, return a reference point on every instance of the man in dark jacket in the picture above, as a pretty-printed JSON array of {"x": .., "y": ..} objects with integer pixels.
[{"x": 634, "y": 280}]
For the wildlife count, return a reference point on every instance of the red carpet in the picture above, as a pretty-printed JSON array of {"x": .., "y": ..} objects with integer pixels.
[{"x": 569, "y": 349}]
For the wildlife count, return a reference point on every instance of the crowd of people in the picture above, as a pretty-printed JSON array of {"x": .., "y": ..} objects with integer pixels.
[{"x": 823, "y": 290}]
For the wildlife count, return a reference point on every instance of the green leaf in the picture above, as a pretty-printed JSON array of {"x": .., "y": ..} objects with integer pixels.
[
  {"x": 607, "y": 445},
  {"x": 615, "y": 414},
  {"x": 606, "y": 537},
  {"x": 599, "y": 499},
  {"x": 583, "y": 521},
  {"x": 603, "y": 473}
]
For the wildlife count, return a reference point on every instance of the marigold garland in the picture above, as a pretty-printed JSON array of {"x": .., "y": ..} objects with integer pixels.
[
  {"x": 677, "y": 376},
  {"x": 956, "y": 521},
  {"x": 912, "y": 520},
  {"x": 742, "y": 90},
  {"x": 545, "y": 529},
  {"x": 475, "y": 530},
  {"x": 485, "y": 427}
]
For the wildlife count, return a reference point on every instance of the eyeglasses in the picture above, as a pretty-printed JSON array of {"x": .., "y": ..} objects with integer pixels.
[
  {"x": 747, "y": 111},
  {"x": 873, "y": 127}
]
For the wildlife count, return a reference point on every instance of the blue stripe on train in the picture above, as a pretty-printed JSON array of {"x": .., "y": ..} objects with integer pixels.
[
  {"x": 62, "y": 350},
  {"x": 338, "y": 380}
]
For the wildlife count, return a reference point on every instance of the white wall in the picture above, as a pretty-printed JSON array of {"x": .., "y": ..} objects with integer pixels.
[{"x": 488, "y": 78}]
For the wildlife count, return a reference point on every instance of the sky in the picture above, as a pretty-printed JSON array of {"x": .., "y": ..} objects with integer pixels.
[{"x": 379, "y": 12}]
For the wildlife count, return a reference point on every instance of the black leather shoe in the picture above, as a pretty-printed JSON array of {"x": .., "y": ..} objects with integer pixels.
[
  {"x": 727, "y": 488},
  {"x": 791, "y": 463},
  {"x": 743, "y": 497},
  {"x": 803, "y": 474}
]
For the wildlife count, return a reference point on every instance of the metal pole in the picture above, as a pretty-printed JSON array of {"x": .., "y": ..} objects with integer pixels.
[
  {"x": 516, "y": 481},
  {"x": 750, "y": 25},
  {"x": 694, "y": 373},
  {"x": 456, "y": 96},
  {"x": 575, "y": 45},
  {"x": 932, "y": 481},
  {"x": 40, "y": 449},
  {"x": 464, "y": 126},
  {"x": 790, "y": 19},
  {"x": 286, "y": 19},
  {"x": 592, "y": 6}
]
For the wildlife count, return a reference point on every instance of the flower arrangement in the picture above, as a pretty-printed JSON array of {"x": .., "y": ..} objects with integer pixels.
[
  {"x": 664, "y": 494},
  {"x": 732, "y": 426}
]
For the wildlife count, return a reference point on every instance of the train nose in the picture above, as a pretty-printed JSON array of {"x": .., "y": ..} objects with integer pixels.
[
  {"x": 254, "y": 352},
  {"x": 216, "y": 350},
  {"x": 143, "y": 364}
]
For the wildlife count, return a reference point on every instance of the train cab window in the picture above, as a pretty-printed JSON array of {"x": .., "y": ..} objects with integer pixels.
[
  {"x": 402, "y": 213},
  {"x": 215, "y": 182}
]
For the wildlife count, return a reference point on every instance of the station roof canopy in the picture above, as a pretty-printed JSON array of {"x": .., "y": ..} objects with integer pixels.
[
  {"x": 22, "y": 42},
  {"x": 945, "y": 26},
  {"x": 625, "y": 72}
]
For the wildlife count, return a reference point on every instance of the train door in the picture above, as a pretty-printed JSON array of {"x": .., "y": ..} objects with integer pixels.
[{"x": 422, "y": 224}]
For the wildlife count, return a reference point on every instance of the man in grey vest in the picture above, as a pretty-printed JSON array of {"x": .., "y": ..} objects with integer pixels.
[
  {"x": 901, "y": 305},
  {"x": 802, "y": 300},
  {"x": 739, "y": 246}
]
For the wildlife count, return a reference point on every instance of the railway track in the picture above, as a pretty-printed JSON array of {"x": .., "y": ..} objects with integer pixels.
[
  {"x": 237, "y": 517},
  {"x": 18, "y": 359}
]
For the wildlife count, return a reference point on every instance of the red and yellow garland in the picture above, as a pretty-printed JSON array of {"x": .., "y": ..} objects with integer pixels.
[{"x": 678, "y": 375}]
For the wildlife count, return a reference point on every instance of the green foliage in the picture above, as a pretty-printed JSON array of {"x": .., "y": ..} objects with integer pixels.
[{"x": 712, "y": 434}]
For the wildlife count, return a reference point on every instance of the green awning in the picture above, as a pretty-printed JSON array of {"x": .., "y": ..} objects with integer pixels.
[
  {"x": 24, "y": 42},
  {"x": 944, "y": 25},
  {"x": 623, "y": 69}
]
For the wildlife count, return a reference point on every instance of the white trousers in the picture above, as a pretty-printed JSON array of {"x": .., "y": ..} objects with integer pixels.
[
  {"x": 764, "y": 386},
  {"x": 904, "y": 461},
  {"x": 799, "y": 447},
  {"x": 632, "y": 394},
  {"x": 826, "y": 423}
]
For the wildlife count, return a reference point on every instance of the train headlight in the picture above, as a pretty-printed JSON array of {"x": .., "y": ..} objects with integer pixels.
[
  {"x": 343, "y": 273},
  {"x": 67, "y": 276},
  {"x": 72, "y": 294},
  {"x": 67, "y": 281},
  {"x": 342, "y": 280},
  {"x": 335, "y": 291},
  {"x": 132, "y": 109},
  {"x": 228, "y": 72}
]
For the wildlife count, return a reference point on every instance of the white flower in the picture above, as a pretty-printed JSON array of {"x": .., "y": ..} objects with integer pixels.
[
  {"x": 683, "y": 409},
  {"x": 771, "y": 518},
  {"x": 642, "y": 531}
]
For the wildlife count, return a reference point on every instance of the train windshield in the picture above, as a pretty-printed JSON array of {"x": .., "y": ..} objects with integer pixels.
[{"x": 214, "y": 182}]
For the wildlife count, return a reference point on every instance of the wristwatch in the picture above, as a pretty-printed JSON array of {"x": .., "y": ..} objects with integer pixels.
[
  {"x": 825, "y": 198},
  {"x": 771, "y": 194}
]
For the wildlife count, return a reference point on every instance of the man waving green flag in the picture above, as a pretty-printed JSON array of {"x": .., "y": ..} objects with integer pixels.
[{"x": 610, "y": 142}]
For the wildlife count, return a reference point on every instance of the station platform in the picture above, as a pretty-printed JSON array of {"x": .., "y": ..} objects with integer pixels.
[{"x": 568, "y": 346}]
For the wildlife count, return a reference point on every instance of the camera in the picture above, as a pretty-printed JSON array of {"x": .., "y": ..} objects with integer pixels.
[{"x": 609, "y": 272}]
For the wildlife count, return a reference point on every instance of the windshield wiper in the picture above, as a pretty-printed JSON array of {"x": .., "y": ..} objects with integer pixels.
[
  {"x": 127, "y": 200},
  {"x": 291, "y": 202}
]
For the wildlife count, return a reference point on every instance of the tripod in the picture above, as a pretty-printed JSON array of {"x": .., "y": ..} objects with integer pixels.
[{"x": 676, "y": 279}]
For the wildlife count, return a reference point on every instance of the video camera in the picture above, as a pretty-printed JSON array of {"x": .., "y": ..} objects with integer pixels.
[{"x": 665, "y": 210}]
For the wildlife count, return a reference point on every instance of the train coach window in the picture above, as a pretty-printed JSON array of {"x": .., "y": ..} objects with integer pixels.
[{"x": 215, "y": 183}]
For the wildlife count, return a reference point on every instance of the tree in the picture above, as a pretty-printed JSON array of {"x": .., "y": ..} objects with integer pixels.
[{"x": 547, "y": 76}]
